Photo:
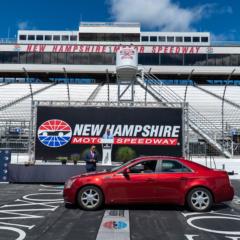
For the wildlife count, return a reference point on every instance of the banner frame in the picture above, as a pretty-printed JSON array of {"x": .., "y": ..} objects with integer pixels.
[{"x": 183, "y": 106}]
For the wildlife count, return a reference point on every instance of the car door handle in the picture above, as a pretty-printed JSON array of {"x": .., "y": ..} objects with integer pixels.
[
  {"x": 183, "y": 178},
  {"x": 149, "y": 180}
]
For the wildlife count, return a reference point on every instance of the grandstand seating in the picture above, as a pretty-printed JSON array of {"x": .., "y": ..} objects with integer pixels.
[
  {"x": 208, "y": 105},
  {"x": 21, "y": 111},
  {"x": 139, "y": 94},
  {"x": 211, "y": 106},
  {"x": 232, "y": 92},
  {"x": 11, "y": 92}
]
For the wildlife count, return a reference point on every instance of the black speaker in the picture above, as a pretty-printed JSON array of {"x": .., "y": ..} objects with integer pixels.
[{"x": 5, "y": 159}]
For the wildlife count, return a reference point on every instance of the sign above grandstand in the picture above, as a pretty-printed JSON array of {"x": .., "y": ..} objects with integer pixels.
[
  {"x": 109, "y": 49},
  {"x": 86, "y": 48},
  {"x": 63, "y": 131}
]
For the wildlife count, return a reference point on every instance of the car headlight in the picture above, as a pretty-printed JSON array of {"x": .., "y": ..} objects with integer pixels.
[{"x": 69, "y": 183}]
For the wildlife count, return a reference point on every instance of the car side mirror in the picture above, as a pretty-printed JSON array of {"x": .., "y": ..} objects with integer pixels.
[{"x": 126, "y": 171}]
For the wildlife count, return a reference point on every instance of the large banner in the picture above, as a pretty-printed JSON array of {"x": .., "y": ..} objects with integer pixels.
[{"x": 64, "y": 131}]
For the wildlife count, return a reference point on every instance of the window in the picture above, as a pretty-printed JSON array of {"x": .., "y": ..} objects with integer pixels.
[
  {"x": 204, "y": 39},
  {"x": 219, "y": 59},
  {"x": 195, "y": 59},
  {"x": 61, "y": 58},
  {"x": 169, "y": 166},
  {"x": 109, "y": 59},
  {"x": 179, "y": 39},
  {"x": 162, "y": 39},
  {"x": 170, "y": 39},
  {"x": 65, "y": 38},
  {"x": 110, "y": 37},
  {"x": 30, "y": 57},
  {"x": 131, "y": 37},
  {"x": 171, "y": 59},
  {"x": 73, "y": 38},
  {"x": 148, "y": 59},
  {"x": 145, "y": 39},
  {"x": 38, "y": 58},
  {"x": 187, "y": 39},
  {"x": 22, "y": 37},
  {"x": 88, "y": 37},
  {"x": 96, "y": 58},
  {"x": 234, "y": 60},
  {"x": 113, "y": 37},
  {"x": 196, "y": 39},
  {"x": 48, "y": 37},
  {"x": 71, "y": 57},
  {"x": 9, "y": 57},
  {"x": 46, "y": 58},
  {"x": 22, "y": 57},
  {"x": 81, "y": 58},
  {"x": 31, "y": 37},
  {"x": 153, "y": 38},
  {"x": 56, "y": 38},
  {"x": 212, "y": 59},
  {"x": 144, "y": 167},
  {"x": 39, "y": 37}
]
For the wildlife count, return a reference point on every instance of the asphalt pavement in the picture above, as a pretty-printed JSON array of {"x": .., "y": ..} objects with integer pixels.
[{"x": 37, "y": 212}]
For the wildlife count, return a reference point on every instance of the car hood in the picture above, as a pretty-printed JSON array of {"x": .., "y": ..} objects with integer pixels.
[{"x": 92, "y": 174}]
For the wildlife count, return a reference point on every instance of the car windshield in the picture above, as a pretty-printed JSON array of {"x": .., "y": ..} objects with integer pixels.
[{"x": 122, "y": 165}]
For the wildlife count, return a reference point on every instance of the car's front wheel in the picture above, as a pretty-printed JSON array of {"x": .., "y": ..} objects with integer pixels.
[
  {"x": 90, "y": 198},
  {"x": 200, "y": 199}
]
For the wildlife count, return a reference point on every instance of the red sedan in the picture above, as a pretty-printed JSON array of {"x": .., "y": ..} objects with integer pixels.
[{"x": 151, "y": 180}]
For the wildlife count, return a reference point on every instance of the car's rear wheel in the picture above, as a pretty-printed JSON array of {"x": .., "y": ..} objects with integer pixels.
[
  {"x": 200, "y": 199},
  {"x": 90, "y": 198}
]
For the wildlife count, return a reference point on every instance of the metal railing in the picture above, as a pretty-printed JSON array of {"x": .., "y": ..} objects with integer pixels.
[
  {"x": 14, "y": 135},
  {"x": 109, "y": 24},
  {"x": 225, "y": 43},
  {"x": 197, "y": 121},
  {"x": 8, "y": 40},
  {"x": 164, "y": 95}
]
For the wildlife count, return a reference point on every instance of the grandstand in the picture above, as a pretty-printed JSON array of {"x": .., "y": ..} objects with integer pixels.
[
  {"x": 32, "y": 68},
  {"x": 16, "y": 107},
  {"x": 15, "y": 99}
]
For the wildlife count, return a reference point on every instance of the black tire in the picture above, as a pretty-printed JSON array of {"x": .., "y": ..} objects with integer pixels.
[
  {"x": 200, "y": 199},
  {"x": 90, "y": 198}
]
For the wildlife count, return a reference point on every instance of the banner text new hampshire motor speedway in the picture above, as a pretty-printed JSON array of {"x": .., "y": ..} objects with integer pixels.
[
  {"x": 148, "y": 131},
  {"x": 127, "y": 134}
]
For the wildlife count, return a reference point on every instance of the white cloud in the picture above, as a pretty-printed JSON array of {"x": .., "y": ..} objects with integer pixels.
[
  {"x": 160, "y": 14},
  {"x": 22, "y": 25},
  {"x": 25, "y": 25},
  {"x": 222, "y": 37}
]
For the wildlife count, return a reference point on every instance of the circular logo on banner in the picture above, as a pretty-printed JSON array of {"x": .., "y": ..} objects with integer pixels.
[
  {"x": 54, "y": 133},
  {"x": 115, "y": 225}
]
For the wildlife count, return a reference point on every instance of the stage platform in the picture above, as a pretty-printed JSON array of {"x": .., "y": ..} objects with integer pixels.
[
  {"x": 45, "y": 173},
  {"x": 51, "y": 172}
]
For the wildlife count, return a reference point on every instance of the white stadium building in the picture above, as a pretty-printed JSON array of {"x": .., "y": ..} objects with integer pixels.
[{"x": 79, "y": 67}]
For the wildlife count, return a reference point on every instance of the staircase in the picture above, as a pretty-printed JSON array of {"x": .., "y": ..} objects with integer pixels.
[
  {"x": 94, "y": 93},
  {"x": 197, "y": 122}
]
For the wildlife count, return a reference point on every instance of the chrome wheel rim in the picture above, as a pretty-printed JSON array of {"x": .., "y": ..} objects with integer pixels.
[
  {"x": 90, "y": 198},
  {"x": 200, "y": 200}
]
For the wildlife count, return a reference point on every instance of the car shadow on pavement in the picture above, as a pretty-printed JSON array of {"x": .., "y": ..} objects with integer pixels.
[
  {"x": 150, "y": 207},
  {"x": 162, "y": 207},
  {"x": 220, "y": 207}
]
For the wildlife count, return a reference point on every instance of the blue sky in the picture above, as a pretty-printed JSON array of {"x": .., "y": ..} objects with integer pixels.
[{"x": 220, "y": 17}]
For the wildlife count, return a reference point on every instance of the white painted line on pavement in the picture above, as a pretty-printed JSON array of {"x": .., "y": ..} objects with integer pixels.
[{"x": 114, "y": 225}]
